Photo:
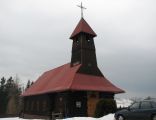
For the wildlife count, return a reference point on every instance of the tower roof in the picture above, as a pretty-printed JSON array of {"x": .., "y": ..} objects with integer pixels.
[{"x": 83, "y": 26}]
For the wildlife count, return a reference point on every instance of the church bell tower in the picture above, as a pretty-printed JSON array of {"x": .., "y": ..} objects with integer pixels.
[{"x": 83, "y": 49}]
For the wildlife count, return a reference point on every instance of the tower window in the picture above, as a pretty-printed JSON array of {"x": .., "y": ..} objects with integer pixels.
[
  {"x": 77, "y": 41},
  {"x": 89, "y": 40}
]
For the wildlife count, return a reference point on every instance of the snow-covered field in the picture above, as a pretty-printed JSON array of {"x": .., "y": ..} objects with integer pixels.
[
  {"x": 107, "y": 117},
  {"x": 120, "y": 102}
]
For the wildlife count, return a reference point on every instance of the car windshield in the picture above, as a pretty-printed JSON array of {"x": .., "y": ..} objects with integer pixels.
[{"x": 154, "y": 104}]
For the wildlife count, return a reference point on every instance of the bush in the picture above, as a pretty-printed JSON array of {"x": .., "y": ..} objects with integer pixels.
[{"x": 104, "y": 107}]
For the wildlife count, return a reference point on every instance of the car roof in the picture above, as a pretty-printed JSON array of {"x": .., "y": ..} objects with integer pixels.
[{"x": 152, "y": 99}]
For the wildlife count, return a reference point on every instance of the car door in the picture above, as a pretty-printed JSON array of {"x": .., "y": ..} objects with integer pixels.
[
  {"x": 133, "y": 111},
  {"x": 145, "y": 110}
]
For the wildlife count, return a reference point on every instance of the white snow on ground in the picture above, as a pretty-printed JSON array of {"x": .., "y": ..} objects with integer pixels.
[
  {"x": 107, "y": 117},
  {"x": 16, "y": 118},
  {"x": 120, "y": 102}
]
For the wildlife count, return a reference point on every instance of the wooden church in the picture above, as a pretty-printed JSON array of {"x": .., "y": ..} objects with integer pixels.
[{"x": 72, "y": 89}]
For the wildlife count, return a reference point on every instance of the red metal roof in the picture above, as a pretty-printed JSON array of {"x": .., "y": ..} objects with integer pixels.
[
  {"x": 66, "y": 78},
  {"x": 93, "y": 83},
  {"x": 83, "y": 26}
]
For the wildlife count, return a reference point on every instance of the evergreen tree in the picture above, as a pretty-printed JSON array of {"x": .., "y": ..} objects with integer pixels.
[
  {"x": 9, "y": 96},
  {"x": 28, "y": 84},
  {"x": 14, "y": 91},
  {"x": 3, "y": 96},
  {"x": 2, "y": 82}
]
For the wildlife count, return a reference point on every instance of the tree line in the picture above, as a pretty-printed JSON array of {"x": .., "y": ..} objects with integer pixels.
[{"x": 10, "y": 92}]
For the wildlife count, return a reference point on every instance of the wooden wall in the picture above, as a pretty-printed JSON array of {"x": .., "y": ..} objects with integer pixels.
[
  {"x": 69, "y": 103},
  {"x": 37, "y": 105}
]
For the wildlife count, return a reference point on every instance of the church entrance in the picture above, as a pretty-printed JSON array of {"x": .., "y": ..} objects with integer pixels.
[{"x": 93, "y": 98}]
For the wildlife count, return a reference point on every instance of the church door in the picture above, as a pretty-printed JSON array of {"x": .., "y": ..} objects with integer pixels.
[{"x": 93, "y": 98}]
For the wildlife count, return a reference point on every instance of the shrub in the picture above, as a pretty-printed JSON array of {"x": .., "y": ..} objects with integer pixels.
[{"x": 104, "y": 107}]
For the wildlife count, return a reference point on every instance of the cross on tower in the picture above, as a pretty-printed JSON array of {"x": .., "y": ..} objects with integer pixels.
[{"x": 81, "y": 9}]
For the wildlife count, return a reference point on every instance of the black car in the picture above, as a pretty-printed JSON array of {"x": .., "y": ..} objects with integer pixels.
[{"x": 143, "y": 110}]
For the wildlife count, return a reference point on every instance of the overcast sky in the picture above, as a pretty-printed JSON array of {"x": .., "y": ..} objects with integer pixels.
[{"x": 34, "y": 38}]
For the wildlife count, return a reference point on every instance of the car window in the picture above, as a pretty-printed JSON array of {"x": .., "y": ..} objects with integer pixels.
[
  {"x": 145, "y": 105},
  {"x": 135, "y": 105},
  {"x": 153, "y": 104}
]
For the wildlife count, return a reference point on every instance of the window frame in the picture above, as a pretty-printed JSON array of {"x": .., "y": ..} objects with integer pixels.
[
  {"x": 153, "y": 103},
  {"x": 146, "y": 107}
]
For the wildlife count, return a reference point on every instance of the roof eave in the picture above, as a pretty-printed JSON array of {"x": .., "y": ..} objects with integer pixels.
[{"x": 73, "y": 36}]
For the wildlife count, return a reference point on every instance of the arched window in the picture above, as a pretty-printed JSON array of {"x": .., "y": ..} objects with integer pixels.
[
  {"x": 32, "y": 105},
  {"x": 38, "y": 106},
  {"x": 27, "y": 105},
  {"x": 44, "y": 105}
]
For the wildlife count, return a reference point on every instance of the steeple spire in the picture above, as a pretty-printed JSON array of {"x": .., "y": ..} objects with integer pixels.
[
  {"x": 82, "y": 8},
  {"x": 83, "y": 27}
]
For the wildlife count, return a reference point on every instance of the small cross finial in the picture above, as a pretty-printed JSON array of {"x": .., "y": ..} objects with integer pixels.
[{"x": 81, "y": 6}]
